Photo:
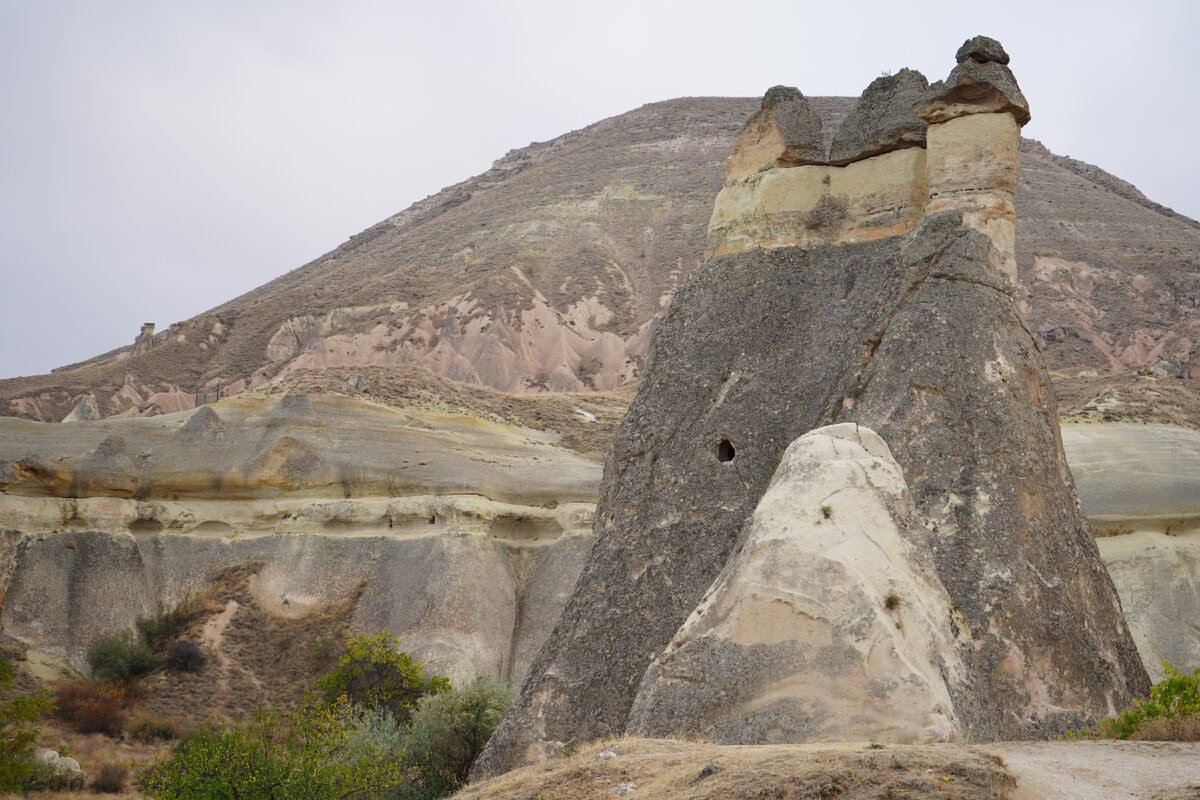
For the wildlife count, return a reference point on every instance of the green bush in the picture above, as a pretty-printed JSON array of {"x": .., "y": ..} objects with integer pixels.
[
  {"x": 448, "y": 732},
  {"x": 121, "y": 657},
  {"x": 1176, "y": 696},
  {"x": 18, "y": 730},
  {"x": 375, "y": 673},
  {"x": 276, "y": 756}
]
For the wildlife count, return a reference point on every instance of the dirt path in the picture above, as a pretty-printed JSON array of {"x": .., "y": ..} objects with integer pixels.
[{"x": 1102, "y": 770}]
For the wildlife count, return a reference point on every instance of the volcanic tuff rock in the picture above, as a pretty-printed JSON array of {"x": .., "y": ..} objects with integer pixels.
[
  {"x": 883, "y": 119},
  {"x": 828, "y": 622},
  {"x": 461, "y": 533},
  {"x": 915, "y": 336}
]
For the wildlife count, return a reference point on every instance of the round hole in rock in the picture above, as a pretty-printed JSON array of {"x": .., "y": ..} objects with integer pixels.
[{"x": 725, "y": 451}]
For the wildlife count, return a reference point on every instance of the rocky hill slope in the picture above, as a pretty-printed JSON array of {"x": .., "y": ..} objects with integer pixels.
[{"x": 550, "y": 271}]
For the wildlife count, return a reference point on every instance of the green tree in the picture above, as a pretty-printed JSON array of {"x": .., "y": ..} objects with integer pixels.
[
  {"x": 18, "y": 729},
  {"x": 448, "y": 732},
  {"x": 375, "y": 673}
]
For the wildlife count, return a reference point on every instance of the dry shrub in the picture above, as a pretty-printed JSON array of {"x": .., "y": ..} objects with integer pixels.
[
  {"x": 148, "y": 729},
  {"x": 1170, "y": 729},
  {"x": 92, "y": 707},
  {"x": 109, "y": 778}
]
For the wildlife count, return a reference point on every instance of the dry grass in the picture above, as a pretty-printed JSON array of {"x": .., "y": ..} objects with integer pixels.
[
  {"x": 1174, "y": 729},
  {"x": 639, "y": 769}
]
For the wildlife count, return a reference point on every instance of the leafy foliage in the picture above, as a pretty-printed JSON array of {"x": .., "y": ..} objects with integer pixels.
[
  {"x": 1174, "y": 697},
  {"x": 276, "y": 756},
  {"x": 375, "y": 673},
  {"x": 121, "y": 657},
  {"x": 18, "y": 730},
  {"x": 448, "y": 732},
  {"x": 384, "y": 730}
]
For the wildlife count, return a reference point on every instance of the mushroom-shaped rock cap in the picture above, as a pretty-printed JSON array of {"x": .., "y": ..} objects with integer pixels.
[
  {"x": 982, "y": 49},
  {"x": 883, "y": 120},
  {"x": 798, "y": 124},
  {"x": 980, "y": 84}
]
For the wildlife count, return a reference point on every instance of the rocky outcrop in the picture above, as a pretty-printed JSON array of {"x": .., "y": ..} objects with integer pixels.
[
  {"x": 883, "y": 119},
  {"x": 827, "y": 623},
  {"x": 915, "y": 336},
  {"x": 464, "y": 535}
]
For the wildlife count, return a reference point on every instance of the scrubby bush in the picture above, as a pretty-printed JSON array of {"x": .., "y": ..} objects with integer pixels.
[
  {"x": 168, "y": 625},
  {"x": 375, "y": 673},
  {"x": 44, "y": 776},
  {"x": 1172, "y": 712},
  {"x": 153, "y": 729},
  {"x": 121, "y": 657},
  {"x": 110, "y": 778},
  {"x": 277, "y": 756},
  {"x": 18, "y": 730},
  {"x": 91, "y": 707},
  {"x": 184, "y": 656}
]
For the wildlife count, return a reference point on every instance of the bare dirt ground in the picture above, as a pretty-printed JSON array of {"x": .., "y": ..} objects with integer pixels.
[
  {"x": 674, "y": 770},
  {"x": 1103, "y": 769}
]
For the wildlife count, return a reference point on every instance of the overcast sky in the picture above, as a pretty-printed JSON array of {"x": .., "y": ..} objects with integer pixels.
[{"x": 158, "y": 158}]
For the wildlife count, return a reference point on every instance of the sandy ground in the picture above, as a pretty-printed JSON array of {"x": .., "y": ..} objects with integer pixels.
[{"x": 1102, "y": 770}]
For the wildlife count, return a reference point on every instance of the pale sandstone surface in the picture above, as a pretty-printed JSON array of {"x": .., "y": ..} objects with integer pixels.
[
  {"x": 881, "y": 196},
  {"x": 462, "y": 535},
  {"x": 1158, "y": 578},
  {"x": 1136, "y": 477},
  {"x": 828, "y": 623},
  {"x": 972, "y": 166},
  {"x": 295, "y": 445}
]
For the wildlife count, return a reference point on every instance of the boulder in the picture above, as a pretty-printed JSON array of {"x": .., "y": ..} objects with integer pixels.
[
  {"x": 974, "y": 88},
  {"x": 883, "y": 119},
  {"x": 785, "y": 132},
  {"x": 827, "y": 623},
  {"x": 982, "y": 49}
]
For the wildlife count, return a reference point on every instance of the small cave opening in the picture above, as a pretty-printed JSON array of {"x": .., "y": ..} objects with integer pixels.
[{"x": 725, "y": 451}]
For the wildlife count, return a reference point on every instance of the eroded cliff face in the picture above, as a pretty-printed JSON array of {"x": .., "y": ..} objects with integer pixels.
[
  {"x": 914, "y": 335},
  {"x": 460, "y": 533}
]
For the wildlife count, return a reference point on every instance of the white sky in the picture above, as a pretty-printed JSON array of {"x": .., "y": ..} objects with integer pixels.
[{"x": 159, "y": 157}]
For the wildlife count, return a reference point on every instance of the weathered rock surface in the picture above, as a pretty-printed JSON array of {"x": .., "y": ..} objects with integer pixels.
[
  {"x": 827, "y": 624},
  {"x": 883, "y": 119},
  {"x": 463, "y": 535},
  {"x": 1158, "y": 578},
  {"x": 915, "y": 337},
  {"x": 1136, "y": 477},
  {"x": 785, "y": 131}
]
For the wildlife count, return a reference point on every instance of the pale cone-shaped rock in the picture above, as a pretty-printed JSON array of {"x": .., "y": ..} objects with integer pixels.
[{"x": 828, "y": 623}]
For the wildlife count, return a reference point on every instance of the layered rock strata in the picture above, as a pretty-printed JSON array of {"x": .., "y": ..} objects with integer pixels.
[
  {"x": 914, "y": 335},
  {"x": 461, "y": 534},
  {"x": 827, "y": 623}
]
